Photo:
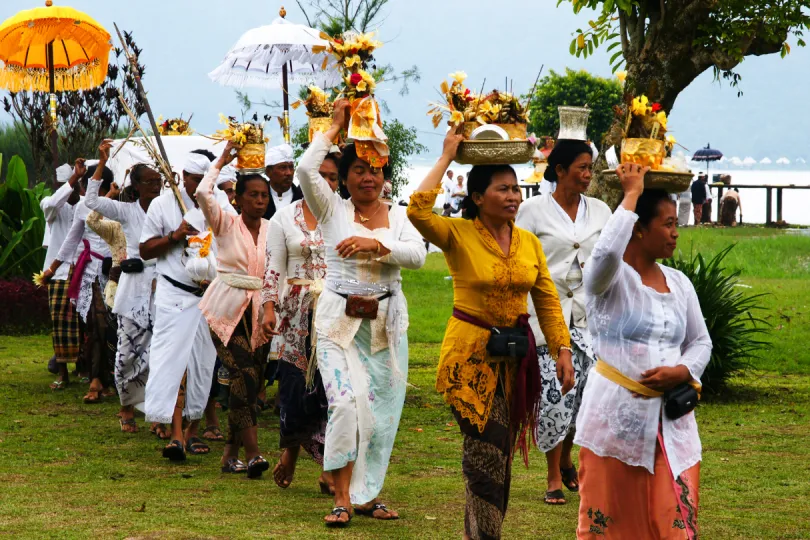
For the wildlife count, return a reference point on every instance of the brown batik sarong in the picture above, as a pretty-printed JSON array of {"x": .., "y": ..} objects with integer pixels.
[
  {"x": 245, "y": 368},
  {"x": 487, "y": 468},
  {"x": 65, "y": 322}
]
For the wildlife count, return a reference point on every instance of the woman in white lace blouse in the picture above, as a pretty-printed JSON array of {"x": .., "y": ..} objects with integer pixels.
[
  {"x": 639, "y": 469},
  {"x": 361, "y": 322},
  {"x": 295, "y": 270}
]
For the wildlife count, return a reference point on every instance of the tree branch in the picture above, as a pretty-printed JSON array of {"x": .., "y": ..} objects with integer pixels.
[{"x": 623, "y": 35}]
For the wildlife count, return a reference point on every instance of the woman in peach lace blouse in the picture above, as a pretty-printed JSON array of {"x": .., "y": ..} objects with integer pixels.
[
  {"x": 232, "y": 305},
  {"x": 495, "y": 266}
]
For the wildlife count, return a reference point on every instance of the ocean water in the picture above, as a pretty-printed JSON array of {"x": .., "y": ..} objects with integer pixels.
[{"x": 795, "y": 203}]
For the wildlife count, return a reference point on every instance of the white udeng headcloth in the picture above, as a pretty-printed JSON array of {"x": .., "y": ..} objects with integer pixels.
[
  {"x": 227, "y": 174},
  {"x": 279, "y": 154},
  {"x": 63, "y": 173},
  {"x": 196, "y": 164}
]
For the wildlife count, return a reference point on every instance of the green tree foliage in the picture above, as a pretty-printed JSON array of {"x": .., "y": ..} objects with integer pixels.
[
  {"x": 666, "y": 44},
  {"x": 731, "y": 317},
  {"x": 574, "y": 88},
  {"x": 22, "y": 223}
]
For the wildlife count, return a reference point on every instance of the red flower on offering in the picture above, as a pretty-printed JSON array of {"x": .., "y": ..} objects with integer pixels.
[
  {"x": 467, "y": 92},
  {"x": 656, "y": 107},
  {"x": 356, "y": 78},
  {"x": 339, "y": 41},
  {"x": 354, "y": 50}
]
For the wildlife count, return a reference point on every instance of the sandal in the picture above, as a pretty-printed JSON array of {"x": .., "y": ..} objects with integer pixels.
[
  {"x": 89, "y": 400},
  {"x": 374, "y": 508},
  {"x": 570, "y": 479},
  {"x": 174, "y": 451},
  {"x": 160, "y": 431},
  {"x": 256, "y": 467},
  {"x": 128, "y": 426},
  {"x": 234, "y": 466},
  {"x": 337, "y": 511},
  {"x": 556, "y": 495},
  {"x": 84, "y": 380},
  {"x": 196, "y": 447},
  {"x": 213, "y": 433},
  {"x": 58, "y": 385}
]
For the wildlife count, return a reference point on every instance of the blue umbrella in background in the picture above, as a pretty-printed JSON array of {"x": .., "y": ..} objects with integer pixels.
[{"x": 708, "y": 155}]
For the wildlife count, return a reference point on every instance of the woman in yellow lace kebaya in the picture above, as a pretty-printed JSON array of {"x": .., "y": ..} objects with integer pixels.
[{"x": 494, "y": 265}]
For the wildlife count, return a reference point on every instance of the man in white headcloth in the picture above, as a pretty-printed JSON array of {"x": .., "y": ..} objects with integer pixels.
[
  {"x": 280, "y": 168},
  {"x": 58, "y": 209},
  {"x": 227, "y": 182},
  {"x": 182, "y": 357}
]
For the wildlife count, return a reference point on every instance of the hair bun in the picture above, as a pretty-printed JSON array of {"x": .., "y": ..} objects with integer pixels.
[{"x": 550, "y": 173}]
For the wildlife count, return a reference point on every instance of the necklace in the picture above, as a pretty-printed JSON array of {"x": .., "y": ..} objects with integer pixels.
[{"x": 364, "y": 219}]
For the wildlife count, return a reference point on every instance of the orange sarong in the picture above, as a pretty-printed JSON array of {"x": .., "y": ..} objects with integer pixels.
[{"x": 622, "y": 501}]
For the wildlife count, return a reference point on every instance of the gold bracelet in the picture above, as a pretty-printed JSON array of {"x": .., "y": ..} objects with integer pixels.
[
  {"x": 379, "y": 246},
  {"x": 564, "y": 348}
]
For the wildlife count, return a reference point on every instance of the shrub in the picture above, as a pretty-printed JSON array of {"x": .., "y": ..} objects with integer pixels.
[
  {"x": 735, "y": 330},
  {"x": 25, "y": 307},
  {"x": 22, "y": 223}
]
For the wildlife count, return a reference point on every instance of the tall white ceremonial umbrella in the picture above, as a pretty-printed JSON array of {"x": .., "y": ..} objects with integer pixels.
[
  {"x": 766, "y": 161},
  {"x": 783, "y": 161},
  {"x": 749, "y": 161},
  {"x": 274, "y": 56}
]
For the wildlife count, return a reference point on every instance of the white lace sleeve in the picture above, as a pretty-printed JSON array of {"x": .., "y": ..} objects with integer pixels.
[
  {"x": 110, "y": 209},
  {"x": 606, "y": 259},
  {"x": 408, "y": 249},
  {"x": 276, "y": 265}
]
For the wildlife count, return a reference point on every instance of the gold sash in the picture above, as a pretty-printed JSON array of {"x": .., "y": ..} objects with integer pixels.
[{"x": 612, "y": 374}]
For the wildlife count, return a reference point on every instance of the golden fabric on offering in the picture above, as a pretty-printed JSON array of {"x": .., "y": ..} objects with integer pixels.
[
  {"x": 365, "y": 128},
  {"x": 250, "y": 156},
  {"x": 644, "y": 152}
]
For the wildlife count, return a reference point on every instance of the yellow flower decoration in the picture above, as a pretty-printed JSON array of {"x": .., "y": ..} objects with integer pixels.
[
  {"x": 362, "y": 86},
  {"x": 352, "y": 61},
  {"x": 662, "y": 119},
  {"x": 456, "y": 118},
  {"x": 223, "y": 119},
  {"x": 459, "y": 77},
  {"x": 175, "y": 126},
  {"x": 39, "y": 279},
  {"x": 640, "y": 105},
  {"x": 622, "y": 76}
]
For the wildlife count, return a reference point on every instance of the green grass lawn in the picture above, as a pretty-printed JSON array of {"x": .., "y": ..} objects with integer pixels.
[{"x": 67, "y": 472}]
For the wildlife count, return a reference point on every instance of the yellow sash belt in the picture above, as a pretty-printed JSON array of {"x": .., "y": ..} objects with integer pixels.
[{"x": 612, "y": 374}]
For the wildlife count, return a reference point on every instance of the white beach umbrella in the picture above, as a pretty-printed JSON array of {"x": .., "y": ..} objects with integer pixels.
[
  {"x": 766, "y": 161},
  {"x": 801, "y": 160},
  {"x": 749, "y": 161},
  {"x": 274, "y": 56},
  {"x": 735, "y": 161},
  {"x": 783, "y": 161}
]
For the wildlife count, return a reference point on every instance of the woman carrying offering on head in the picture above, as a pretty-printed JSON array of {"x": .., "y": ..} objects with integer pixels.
[
  {"x": 641, "y": 453},
  {"x": 488, "y": 370},
  {"x": 568, "y": 225},
  {"x": 294, "y": 280},
  {"x": 361, "y": 322},
  {"x": 232, "y": 306}
]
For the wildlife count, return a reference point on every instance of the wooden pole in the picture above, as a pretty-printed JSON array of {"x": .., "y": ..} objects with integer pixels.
[
  {"x": 133, "y": 62},
  {"x": 52, "y": 106},
  {"x": 286, "y": 100}
]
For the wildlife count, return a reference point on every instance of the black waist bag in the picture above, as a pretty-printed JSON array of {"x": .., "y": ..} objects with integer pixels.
[
  {"x": 508, "y": 341},
  {"x": 132, "y": 266},
  {"x": 680, "y": 401}
]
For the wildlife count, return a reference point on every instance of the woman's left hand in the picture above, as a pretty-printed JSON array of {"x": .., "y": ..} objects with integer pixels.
[
  {"x": 565, "y": 371},
  {"x": 665, "y": 378},
  {"x": 228, "y": 155},
  {"x": 357, "y": 244}
]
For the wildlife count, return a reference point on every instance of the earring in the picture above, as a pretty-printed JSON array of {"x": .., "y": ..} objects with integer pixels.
[{"x": 639, "y": 235}]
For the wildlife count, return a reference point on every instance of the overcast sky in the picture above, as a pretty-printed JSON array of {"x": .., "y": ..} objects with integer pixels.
[{"x": 184, "y": 40}]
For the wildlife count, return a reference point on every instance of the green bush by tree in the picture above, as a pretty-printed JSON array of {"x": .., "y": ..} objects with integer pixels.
[
  {"x": 574, "y": 88},
  {"x": 22, "y": 223},
  {"x": 734, "y": 327}
]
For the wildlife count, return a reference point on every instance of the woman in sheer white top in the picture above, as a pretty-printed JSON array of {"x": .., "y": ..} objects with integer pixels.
[
  {"x": 363, "y": 360},
  {"x": 639, "y": 469}
]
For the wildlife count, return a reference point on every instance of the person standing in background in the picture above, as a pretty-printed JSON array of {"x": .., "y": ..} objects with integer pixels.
[
  {"x": 707, "y": 205},
  {"x": 280, "y": 169},
  {"x": 728, "y": 208},
  {"x": 698, "y": 190}
]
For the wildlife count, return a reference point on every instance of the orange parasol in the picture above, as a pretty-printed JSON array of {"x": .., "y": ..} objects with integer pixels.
[{"x": 52, "y": 49}]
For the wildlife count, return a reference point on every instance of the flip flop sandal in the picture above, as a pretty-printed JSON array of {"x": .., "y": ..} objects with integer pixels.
[
  {"x": 128, "y": 423},
  {"x": 196, "y": 447},
  {"x": 337, "y": 511},
  {"x": 216, "y": 434},
  {"x": 85, "y": 380},
  {"x": 57, "y": 386},
  {"x": 90, "y": 400},
  {"x": 557, "y": 495},
  {"x": 234, "y": 466},
  {"x": 174, "y": 451},
  {"x": 570, "y": 479},
  {"x": 370, "y": 512},
  {"x": 256, "y": 467}
]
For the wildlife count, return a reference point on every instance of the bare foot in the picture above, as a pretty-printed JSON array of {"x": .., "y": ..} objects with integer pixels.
[{"x": 284, "y": 470}]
